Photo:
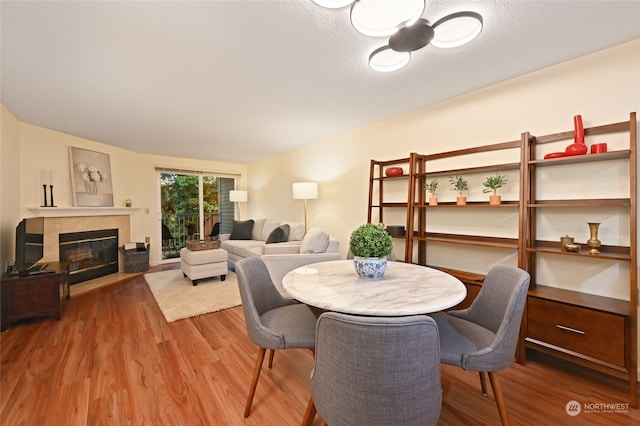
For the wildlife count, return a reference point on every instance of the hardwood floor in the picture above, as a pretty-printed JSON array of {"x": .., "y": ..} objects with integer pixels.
[{"x": 112, "y": 360}]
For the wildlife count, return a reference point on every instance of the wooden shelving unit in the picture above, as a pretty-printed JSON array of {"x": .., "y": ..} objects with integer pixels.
[{"x": 594, "y": 331}]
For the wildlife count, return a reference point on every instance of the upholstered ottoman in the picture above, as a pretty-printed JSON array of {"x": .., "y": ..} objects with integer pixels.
[{"x": 200, "y": 264}]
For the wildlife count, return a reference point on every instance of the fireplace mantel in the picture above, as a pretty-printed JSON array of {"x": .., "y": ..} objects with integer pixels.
[{"x": 82, "y": 211}]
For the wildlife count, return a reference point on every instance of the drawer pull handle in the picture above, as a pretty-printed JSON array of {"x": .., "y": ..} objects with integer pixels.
[{"x": 573, "y": 330}]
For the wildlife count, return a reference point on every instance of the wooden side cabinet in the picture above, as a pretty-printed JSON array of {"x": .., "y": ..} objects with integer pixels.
[{"x": 35, "y": 295}]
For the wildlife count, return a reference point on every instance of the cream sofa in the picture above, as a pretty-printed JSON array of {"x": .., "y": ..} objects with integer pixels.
[{"x": 299, "y": 249}]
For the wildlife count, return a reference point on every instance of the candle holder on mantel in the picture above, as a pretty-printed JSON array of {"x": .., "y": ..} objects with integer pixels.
[
  {"x": 44, "y": 193},
  {"x": 52, "y": 203}
]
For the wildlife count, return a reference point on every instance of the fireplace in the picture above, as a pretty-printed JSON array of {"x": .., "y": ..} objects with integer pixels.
[{"x": 91, "y": 254}]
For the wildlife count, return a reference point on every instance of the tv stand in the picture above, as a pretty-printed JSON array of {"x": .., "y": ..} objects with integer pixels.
[{"x": 41, "y": 294}]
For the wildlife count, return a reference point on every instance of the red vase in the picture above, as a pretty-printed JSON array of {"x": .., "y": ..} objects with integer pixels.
[
  {"x": 578, "y": 147},
  {"x": 578, "y": 129}
]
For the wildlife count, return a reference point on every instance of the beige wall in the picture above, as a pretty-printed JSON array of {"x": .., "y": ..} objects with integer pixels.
[
  {"x": 9, "y": 183},
  {"x": 602, "y": 87},
  {"x": 29, "y": 149}
]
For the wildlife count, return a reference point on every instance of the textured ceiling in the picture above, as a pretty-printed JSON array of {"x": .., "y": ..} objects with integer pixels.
[{"x": 243, "y": 80}]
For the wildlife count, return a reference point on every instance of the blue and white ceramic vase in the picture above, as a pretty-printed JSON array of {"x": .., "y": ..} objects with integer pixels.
[{"x": 370, "y": 267}]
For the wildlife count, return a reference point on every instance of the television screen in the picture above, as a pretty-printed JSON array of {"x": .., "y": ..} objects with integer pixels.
[{"x": 29, "y": 243}]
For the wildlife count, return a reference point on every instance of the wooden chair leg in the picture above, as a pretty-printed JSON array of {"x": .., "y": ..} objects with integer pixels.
[
  {"x": 310, "y": 413},
  {"x": 271, "y": 354},
  {"x": 254, "y": 381},
  {"x": 483, "y": 382},
  {"x": 497, "y": 394}
]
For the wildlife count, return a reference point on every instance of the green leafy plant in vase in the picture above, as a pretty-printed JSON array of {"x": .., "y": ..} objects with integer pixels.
[
  {"x": 370, "y": 245},
  {"x": 432, "y": 188},
  {"x": 459, "y": 184},
  {"x": 491, "y": 184}
]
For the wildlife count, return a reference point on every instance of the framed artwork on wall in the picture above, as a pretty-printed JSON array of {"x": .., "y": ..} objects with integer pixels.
[{"x": 90, "y": 178}]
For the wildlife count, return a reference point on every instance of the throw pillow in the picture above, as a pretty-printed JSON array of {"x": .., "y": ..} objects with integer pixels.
[
  {"x": 315, "y": 241},
  {"x": 256, "y": 234},
  {"x": 241, "y": 230},
  {"x": 268, "y": 227},
  {"x": 279, "y": 235},
  {"x": 296, "y": 231}
]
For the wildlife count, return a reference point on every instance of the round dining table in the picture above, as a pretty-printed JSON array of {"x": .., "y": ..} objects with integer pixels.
[{"x": 405, "y": 289}]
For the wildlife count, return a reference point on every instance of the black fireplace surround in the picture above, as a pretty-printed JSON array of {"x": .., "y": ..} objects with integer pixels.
[{"x": 91, "y": 254}]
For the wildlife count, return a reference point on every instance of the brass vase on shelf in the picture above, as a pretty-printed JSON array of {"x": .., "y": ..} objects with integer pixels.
[{"x": 593, "y": 242}]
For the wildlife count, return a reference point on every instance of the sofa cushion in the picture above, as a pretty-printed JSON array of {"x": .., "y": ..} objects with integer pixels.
[
  {"x": 314, "y": 241},
  {"x": 296, "y": 230},
  {"x": 269, "y": 226},
  {"x": 253, "y": 252},
  {"x": 242, "y": 229},
  {"x": 289, "y": 247},
  {"x": 279, "y": 235},
  {"x": 257, "y": 229},
  {"x": 240, "y": 247}
]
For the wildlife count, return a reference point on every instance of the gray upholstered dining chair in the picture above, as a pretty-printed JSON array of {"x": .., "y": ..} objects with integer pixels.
[
  {"x": 273, "y": 322},
  {"x": 376, "y": 371},
  {"x": 484, "y": 336}
]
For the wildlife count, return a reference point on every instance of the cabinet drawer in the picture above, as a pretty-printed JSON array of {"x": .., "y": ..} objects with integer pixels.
[{"x": 593, "y": 333}]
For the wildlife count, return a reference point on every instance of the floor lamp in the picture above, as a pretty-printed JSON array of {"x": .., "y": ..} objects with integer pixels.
[
  {"x": 238, "y": 197},
  {"x": 305, "y": 191}
]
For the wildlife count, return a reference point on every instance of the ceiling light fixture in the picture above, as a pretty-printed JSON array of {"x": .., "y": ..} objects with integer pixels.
[
  {"x": 381, "y": 18},
  {"x": 385, "y": 59},
  {"x": 401, "y": 20},
  {"x": 451, "y": 31},
  {"x": 333, "y": 4},
  {"x": 457, "y": 29}
]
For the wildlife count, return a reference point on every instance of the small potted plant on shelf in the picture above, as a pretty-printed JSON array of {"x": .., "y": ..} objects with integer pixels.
[
  {"x": 432, "y": 188},
  {"x": 370, "y": 245},
  {"x": 491, "y": 184},
  {"x": 459, "y": 184}
]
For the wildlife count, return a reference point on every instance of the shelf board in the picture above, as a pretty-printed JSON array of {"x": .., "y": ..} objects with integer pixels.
[
  {"x": 595, "y": 202},
  {"x": 398, "y": 204},
  {"x": 622, "y": 126},
  {"x": 470, "y": 240},
  {"x": 606, "y": 252},
  {"x": 509, "y": 204},
  {"x": 474, "y": 150},
  {"x": 605, "y": 156},
  {"x": 391, "y": 162},
  {"x": 468, "y": 170},
  {"x": 403, "y": 176},
  {"x": 576, "y": 298}
]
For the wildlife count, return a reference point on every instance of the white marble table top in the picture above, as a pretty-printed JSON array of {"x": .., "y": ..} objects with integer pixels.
[{"x": 405, "y": 289}]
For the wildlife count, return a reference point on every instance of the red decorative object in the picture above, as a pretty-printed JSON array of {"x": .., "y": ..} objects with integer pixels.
[
  {"x": 598, "y": 148},
  {"x": 394, "y": 171},
  {"x": 576, "y": 149},
  {"x": 578, "y": 129},
  {"x": 555, "y": 155},
  {"x": 579, "y": 147}
]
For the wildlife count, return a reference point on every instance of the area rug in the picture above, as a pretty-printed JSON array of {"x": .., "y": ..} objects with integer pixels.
[{"x": 178, "y": 298}]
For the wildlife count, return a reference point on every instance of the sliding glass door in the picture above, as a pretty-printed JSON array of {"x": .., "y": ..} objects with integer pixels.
[{"x": 191, "y": 204}]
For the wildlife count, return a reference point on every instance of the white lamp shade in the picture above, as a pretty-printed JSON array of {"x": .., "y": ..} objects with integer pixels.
[
  {"x": 305, "y": 191},
  {"x": 238, "y": 196}
]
